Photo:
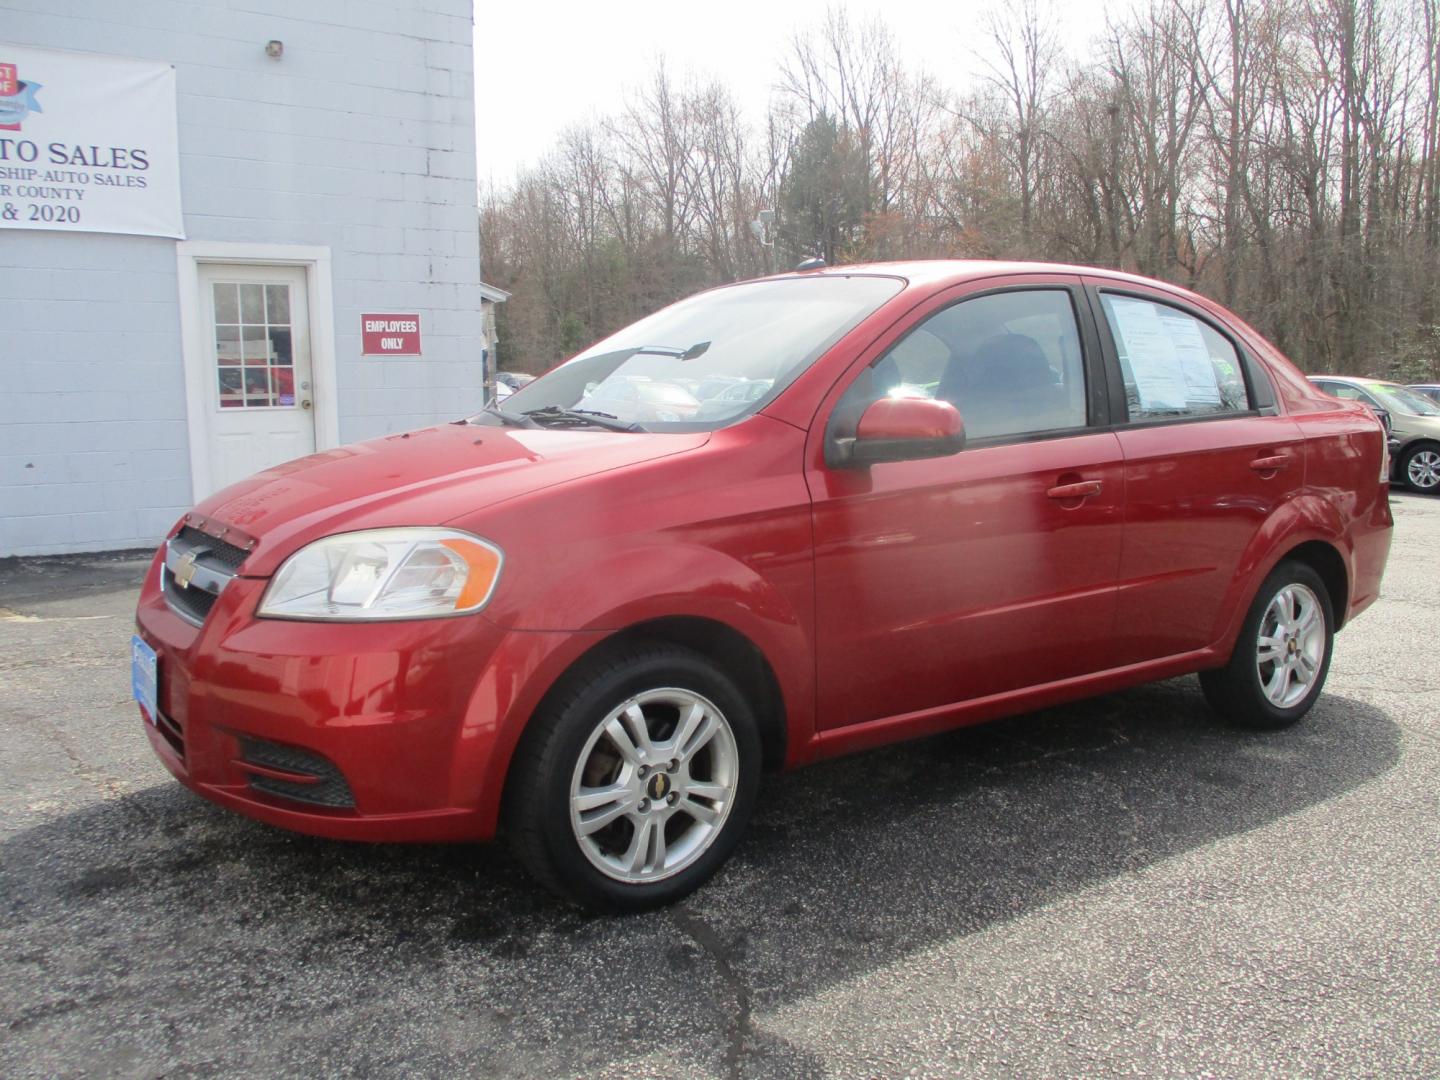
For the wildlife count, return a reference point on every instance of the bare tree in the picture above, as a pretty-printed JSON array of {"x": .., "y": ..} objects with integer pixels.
[
  {"x": 1026, "y": 47},
  {"x": 1284, "y": 155}
]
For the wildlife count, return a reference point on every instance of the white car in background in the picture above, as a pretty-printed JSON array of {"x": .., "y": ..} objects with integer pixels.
[
  {"x": 734, "y": 398},
  {"x": 507, "y": 382}
]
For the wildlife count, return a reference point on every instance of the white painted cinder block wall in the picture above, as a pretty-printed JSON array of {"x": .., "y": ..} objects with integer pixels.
[{"x": 361, "y": 138}]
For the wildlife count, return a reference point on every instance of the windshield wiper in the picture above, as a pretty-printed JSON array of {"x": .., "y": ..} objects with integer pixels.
[
  {"x": 549, "y": 414},
  {"x": 510, "y": 419},
  {"x": 698, "y": 349}
]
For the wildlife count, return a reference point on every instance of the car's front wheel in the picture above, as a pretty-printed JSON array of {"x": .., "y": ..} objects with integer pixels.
[
  {"x": 634, "y": 782},
  {"x": 1282, "y": 655},
  {"x": 1420, "y": 469}
]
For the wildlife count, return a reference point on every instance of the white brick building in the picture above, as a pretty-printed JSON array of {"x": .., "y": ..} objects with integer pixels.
[{"x": 334, "y": 180}]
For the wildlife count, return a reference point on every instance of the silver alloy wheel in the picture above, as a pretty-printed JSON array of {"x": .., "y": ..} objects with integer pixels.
[
  {"x": 654, "y": 784},
  {"x": 1423, "y": 468},
  {"x": 1291, "y": 645}
]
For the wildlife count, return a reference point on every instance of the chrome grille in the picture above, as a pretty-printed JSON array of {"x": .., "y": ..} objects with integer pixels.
[
  {"x": 197, "y": 568},
  {"x": 217, "y": 551},
  {"x": 191, "y": 604}
]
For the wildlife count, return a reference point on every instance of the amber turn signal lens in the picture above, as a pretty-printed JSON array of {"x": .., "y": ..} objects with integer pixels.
[{"x": 484, "y": 564}]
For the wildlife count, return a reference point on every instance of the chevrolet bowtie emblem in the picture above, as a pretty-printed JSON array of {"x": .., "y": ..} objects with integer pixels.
[{"x": 185, "y": 572}]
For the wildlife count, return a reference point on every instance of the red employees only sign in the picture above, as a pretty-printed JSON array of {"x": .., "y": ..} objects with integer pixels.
[{"x": 390, "y": 335}]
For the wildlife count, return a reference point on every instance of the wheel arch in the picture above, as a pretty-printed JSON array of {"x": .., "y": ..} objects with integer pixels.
[
  {"x": 732, "y": 651},
  {"x": 1325, "y": 559},
  {"x": 1308, "y": 528}
]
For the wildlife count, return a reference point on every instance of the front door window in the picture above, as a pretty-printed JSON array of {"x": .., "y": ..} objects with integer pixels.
[{"x": 1010, "y": 362}]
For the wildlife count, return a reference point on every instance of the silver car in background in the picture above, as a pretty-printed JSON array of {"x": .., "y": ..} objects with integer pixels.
[{"x": 1414, "y": 425}]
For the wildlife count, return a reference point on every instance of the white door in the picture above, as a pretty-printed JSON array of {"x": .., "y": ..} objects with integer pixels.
[{"x": 259, "y": 390}]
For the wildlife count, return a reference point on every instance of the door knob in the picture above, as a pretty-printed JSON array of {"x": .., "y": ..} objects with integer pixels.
[{"x": 305, "y": 403}]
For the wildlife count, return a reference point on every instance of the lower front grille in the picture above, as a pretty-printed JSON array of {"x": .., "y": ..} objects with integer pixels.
[
  {"x": 171, "y": 732},
  {"x": 291, "y": 773}
]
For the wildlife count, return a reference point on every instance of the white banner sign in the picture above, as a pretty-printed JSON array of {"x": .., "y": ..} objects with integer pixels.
[{"x": 88, "y": 143}]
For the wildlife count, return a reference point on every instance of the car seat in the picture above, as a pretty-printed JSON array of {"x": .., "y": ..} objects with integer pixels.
[{"x": 1004, "y": 387}]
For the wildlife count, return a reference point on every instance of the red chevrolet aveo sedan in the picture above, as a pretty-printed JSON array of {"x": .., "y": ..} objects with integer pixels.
[{"x": 912, "y": 497}]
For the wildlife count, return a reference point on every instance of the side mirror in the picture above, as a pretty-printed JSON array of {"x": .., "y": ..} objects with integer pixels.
[
  {"x": 900, "y": 429},
  {"x": 1383, "y": 415}
]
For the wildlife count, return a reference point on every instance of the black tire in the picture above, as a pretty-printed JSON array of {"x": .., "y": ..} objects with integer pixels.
[
  {"x": 1429, "y": 481},
  {"x": 1236, "y": 691},
  {"x": 537, "y": 811}
]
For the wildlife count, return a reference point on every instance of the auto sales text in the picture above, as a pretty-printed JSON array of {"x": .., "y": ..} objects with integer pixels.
[{"x": 67, "y": 184}]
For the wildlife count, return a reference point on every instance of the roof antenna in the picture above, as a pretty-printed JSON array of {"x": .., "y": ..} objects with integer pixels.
[{"x": 815, "y": 263}]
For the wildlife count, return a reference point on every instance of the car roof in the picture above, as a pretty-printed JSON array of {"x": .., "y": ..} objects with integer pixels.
[{"x": 955, "y": 271}]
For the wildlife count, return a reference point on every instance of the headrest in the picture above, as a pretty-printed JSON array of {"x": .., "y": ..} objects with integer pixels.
[{"x": 1014, "y": 362}]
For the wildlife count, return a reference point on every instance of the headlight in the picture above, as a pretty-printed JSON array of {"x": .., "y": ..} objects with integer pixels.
[{"x": 385, "y": 574}]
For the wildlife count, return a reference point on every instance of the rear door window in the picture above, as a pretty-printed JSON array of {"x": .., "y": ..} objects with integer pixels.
[{"x": 1174, "y": 366}]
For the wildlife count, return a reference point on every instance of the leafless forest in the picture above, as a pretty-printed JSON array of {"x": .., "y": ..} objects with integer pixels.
[{"x": 1282, "y": 157}]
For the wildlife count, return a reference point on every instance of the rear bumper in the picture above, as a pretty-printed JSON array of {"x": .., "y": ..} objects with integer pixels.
[{"x": 395, "y": 731}]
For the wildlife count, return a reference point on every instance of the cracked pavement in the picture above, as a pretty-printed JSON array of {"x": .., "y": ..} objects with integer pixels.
[{"x": 1116, "y": 887}]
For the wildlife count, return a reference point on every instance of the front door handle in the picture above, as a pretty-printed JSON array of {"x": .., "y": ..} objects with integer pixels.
[
  {"x": 1083, "y": 490},
  {"x": 1270, "y": 464}
]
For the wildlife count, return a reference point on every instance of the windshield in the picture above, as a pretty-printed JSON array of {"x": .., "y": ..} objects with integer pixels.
[
  {"x": 1402, "y": 399},
  {"x": 704, "y": 362}
]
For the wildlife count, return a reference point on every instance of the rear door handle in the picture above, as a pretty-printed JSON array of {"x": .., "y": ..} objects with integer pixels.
[
  {"x": 1083, "y": 490},
  {"x": 1270, "y": 464}
]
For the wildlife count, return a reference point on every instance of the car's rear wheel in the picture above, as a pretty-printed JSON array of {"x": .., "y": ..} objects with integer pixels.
[
  {"x": 1282, "y": 655},
  {"x": 1420, "y": 469},
  {"x": 634, "y": 782}
]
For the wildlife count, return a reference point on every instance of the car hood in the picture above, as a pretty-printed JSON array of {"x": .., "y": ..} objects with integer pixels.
[{"x": 425, "y": 477}]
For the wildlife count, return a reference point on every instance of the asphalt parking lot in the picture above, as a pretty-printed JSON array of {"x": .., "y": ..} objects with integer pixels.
[{"x": 1116, "y": 887}]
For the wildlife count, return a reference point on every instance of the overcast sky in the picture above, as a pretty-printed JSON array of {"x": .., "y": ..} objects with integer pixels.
[{"x": 543, "y": 65}]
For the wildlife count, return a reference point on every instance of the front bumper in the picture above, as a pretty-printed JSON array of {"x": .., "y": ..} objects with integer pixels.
[{"x": 415, "y": 720}]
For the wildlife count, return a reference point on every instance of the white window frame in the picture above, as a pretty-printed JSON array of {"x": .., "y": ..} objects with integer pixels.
[{"x": 190, "y": 256}]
